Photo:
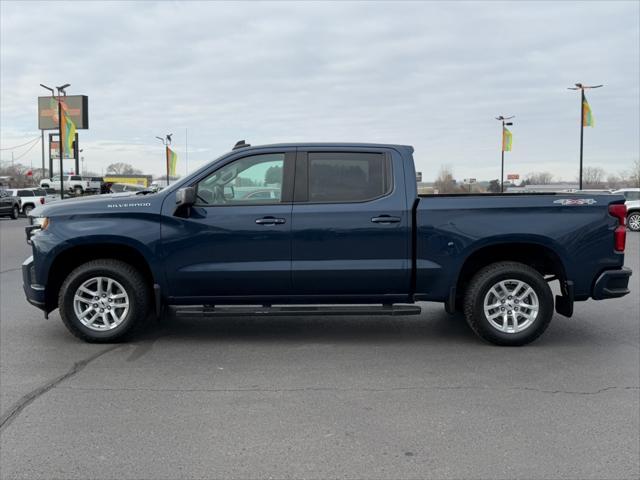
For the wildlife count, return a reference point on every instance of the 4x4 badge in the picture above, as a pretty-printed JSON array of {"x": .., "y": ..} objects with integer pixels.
[{"x": 575, "y": 201}]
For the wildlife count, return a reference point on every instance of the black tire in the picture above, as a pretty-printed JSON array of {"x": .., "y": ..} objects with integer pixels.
[
  {"x": 134, "y": 284},
  {"x": 633, "y": 221},
  {"x": 78, "y": 191},
  {"x": 487, "y": 278},
  {"x": 26, "y": 209},
  {"x": 15, "y": 212}
]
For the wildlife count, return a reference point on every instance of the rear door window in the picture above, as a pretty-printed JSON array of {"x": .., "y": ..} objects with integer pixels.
[{"x": 347, "y": 176}]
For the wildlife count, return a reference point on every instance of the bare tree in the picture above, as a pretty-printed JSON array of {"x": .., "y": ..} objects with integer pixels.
[
  {"x": 593, "y": 177},
  {"x": 634, "y": 175},
  {"x": 445, "y": 182},
  {"x": 538, "y": 178},
  {"x": 122, "y": 168},
  {"x": 615, "y": 181}
]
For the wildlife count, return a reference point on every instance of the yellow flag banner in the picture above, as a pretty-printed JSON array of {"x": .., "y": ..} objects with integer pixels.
[
  {"x": 172, "y": 162},
  {"x": 507, "y": 140}
]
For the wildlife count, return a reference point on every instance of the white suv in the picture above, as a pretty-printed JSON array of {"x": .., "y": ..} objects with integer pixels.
[{"x": 632, "y": 201}]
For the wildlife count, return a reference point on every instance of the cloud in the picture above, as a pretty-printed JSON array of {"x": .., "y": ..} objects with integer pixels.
[{"x": 431, "y": 74}]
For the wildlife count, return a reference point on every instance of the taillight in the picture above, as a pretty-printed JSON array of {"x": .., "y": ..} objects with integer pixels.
[
  {"x": 41, "y": 200},
  {"x": 620, "y": 233}
]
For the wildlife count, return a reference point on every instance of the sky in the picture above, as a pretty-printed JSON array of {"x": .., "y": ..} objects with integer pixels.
[{"x": 429, "y": 74}]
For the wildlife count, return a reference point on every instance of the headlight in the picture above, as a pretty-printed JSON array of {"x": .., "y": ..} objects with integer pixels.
[{"x": 42, "y": 222}]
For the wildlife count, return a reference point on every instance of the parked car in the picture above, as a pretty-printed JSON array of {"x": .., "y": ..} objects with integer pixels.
[
  {"x": 51, "y": 195},
  {"x": 30, "y": 198},
  {"x": 347, "y": 227},
  {"x": 71, "y": 183},
  {"x": 94, "y": 185},
  {"x": 125, "y": 187},
  {"x": 9, "y": 205},
  {"x": 632, "y": 201}
]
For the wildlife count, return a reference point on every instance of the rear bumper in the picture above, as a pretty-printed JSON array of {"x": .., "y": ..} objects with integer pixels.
[
  {"x": 611, "y": 284},
  {"x": 33, "y": 291}
]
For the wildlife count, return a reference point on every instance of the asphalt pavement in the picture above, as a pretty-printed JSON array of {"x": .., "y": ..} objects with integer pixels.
[{"x": 318, "y": 397}]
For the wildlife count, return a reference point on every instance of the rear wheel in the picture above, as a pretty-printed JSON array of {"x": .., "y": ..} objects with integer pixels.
[
  {"x": 633, "y": 221},
  {"x": 508, "y": 303},
  {"x": 15, "y": 212},
  {"x": 104, "y": 300},
  {"x": 26, "y": 209},
  {"x": 78, "y": 190}
]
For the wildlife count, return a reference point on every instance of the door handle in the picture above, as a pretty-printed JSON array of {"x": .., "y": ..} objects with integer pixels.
[
  {"x": 385, "y": 219},
  {"x": 270, "y": 221}
]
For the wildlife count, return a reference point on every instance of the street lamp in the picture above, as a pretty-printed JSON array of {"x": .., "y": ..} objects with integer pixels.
[
  {"x": 503, "y": 119},
  {"x": 582, "y": 88}
]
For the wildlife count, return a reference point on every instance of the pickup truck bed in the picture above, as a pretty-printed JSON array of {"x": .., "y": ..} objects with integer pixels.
[{"x": 322, "y": 224}]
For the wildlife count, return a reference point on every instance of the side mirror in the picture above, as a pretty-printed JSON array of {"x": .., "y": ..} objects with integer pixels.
[{"x": 185, "y": 197}]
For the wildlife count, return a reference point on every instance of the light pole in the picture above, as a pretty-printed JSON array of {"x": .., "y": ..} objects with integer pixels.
[
  {"x": 61, "y": 91},
  {"x": 503, "y": 119},
  {"x": 50, "y": 161},
  {"x": 582, "y": 88},
  {"x": 166, "y": 141}
]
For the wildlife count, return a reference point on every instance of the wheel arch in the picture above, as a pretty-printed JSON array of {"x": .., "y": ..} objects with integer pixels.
[
  {"x": 74, "y": 256},
  {"x": 542, "y": 258}
]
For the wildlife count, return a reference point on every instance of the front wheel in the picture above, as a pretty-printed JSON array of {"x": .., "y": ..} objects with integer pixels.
[
  {"x": 103, "y": 300},
  {"x": 508, "y": 303},
  {"x": 78, "y": 191},
  {"x": 26, "y": 209},
  {"x": 633, "y": 221}
]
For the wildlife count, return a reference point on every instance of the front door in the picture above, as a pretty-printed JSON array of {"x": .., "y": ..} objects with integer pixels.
[
  {"x": 236, "y": 241},
  {"x": 351, "y": 225}
]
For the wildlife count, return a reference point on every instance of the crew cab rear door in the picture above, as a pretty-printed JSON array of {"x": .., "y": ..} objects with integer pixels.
[{"x": 351, "y": 224}]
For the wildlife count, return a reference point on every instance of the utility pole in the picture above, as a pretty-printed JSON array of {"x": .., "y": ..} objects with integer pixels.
[
  {"x": 582, "y": 88},
  {"x": 503, "y": 119},
  {"x": 42, "y": 143}
]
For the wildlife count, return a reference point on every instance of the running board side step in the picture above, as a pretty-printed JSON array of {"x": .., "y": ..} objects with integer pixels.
[{"x": 257, "y": 311}]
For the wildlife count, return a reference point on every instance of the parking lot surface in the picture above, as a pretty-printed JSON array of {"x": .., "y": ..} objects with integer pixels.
[{"x": 314, "y": 397}]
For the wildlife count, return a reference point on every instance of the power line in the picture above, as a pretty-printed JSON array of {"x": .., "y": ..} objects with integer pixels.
[
  {"x": 21, "y": 145},
  {"x": 28, "y": 150}
]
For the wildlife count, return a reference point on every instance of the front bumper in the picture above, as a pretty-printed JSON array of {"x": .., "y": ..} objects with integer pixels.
[
  {"x": 611, "y": 284},
  {"x": 33, "y": 291}
]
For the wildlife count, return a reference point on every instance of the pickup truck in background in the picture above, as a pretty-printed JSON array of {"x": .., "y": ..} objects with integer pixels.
[
  {"x": 72, "y": 183},
  {"x": 342, "y": 230},
  {"x": 632, "y": 197},
  {"x": 29, "y": 198}
]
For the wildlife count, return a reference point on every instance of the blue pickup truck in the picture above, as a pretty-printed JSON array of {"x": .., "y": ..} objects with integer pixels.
[{"x": 294, "y": 229}]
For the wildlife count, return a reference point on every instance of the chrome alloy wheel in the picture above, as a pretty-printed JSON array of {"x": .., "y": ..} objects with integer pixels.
[
  {"x": 101, "y": 303},
  {"x": 511, "y": 306},
  {"x": 634, "y": 221}
]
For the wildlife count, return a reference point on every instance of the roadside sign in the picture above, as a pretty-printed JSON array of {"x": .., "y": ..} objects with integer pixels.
[
  {"x": 469, "y": 180},
  {"x": 77, "y": 106},
  {"x": 418, "y": 177},
  {"x": 513, "y": 176}
]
